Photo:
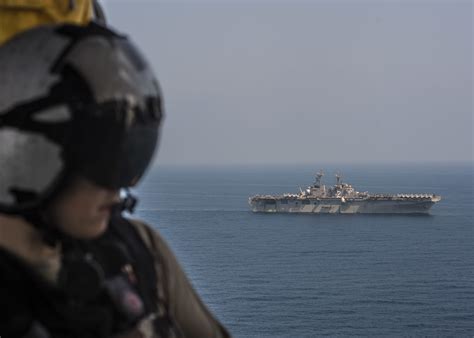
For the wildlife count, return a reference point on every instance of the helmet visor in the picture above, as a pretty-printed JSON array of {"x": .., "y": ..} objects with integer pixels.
[{"x": 111, "y": 155}]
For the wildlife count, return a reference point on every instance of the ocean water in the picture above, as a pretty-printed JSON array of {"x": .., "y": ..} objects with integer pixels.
[{"x": 290, "y": 275}]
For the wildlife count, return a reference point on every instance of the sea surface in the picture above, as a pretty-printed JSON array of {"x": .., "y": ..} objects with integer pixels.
[{"x": 293, "y": 275}]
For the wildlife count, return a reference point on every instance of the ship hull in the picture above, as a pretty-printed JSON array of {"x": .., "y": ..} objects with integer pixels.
[{"x": 337, "y": 206}]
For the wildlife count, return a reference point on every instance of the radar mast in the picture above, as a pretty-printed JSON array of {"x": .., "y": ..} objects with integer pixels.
[{"x": 317, "y": 182}]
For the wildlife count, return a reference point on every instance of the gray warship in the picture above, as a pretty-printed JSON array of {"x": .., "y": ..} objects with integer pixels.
[{"x": 342, "y": 198}]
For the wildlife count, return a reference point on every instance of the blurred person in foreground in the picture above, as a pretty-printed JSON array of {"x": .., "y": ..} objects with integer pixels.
[{"x": 80, "y": 114}]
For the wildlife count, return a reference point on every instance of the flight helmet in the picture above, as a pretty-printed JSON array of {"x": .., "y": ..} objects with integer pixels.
[{"x": 74, "y": 100}]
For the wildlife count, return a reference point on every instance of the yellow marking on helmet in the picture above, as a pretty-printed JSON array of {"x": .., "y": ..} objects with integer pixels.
[{"x": 17, "y": 16}]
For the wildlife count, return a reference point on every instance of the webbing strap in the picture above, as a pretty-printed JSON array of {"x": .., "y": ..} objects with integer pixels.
[{"x": 146, "y": 273}]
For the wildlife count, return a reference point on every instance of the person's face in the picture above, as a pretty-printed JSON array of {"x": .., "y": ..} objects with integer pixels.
[{"x": 83, "y": 209}]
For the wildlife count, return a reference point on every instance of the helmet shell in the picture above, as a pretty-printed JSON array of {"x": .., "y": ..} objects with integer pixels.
[{"x": 73, "y": 100}]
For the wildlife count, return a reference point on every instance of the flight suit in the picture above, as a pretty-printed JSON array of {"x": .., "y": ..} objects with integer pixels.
[{"x": 35, "y": 302}]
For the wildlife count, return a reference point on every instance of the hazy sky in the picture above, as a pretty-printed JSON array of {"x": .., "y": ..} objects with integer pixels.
[{"x": 309, "y": 81}]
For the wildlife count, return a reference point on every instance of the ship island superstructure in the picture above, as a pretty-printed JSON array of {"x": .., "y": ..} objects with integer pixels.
[{"x": 343, "y": 198}]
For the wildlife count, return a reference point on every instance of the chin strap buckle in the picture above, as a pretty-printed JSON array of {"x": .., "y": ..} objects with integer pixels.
[{"x": 129, "y": 202}]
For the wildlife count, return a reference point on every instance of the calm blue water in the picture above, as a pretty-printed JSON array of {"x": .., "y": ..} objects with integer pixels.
[{"x": 277, "y": 275}]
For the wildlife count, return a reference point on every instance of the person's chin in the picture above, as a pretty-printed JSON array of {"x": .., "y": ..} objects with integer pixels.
[
  {"x": 99, "y": 228},
  {"x": 95, "y": 229}
]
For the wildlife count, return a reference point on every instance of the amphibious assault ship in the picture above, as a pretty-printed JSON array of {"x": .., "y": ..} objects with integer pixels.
[{"x": 344, "y": 199}]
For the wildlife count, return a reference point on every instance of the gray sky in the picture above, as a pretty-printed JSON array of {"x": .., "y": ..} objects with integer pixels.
[{"x": 309, "y": 82}]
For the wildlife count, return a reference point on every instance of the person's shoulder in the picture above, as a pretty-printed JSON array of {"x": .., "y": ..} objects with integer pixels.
[
  {"x": 145, "y": 230},
  {"x": 167, "y": 264},
  {"x": 192, "y": 316},
  {"x": 139, "y": 223},
  {"x": 152, "y": 238}
]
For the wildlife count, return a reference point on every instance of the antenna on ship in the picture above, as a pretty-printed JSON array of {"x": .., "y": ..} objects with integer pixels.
[
  {"x": 338, "y": 178},
  {"x": 319, "y": 175}
]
